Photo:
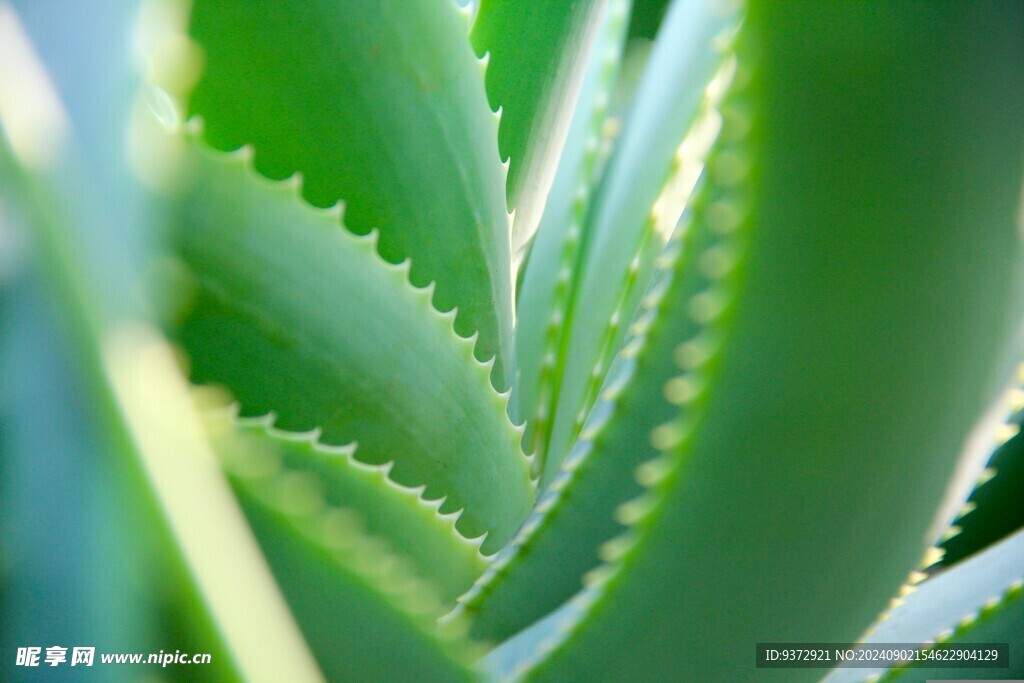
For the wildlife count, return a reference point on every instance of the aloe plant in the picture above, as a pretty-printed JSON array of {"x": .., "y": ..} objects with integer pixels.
[{"x": 601, "y": 340}]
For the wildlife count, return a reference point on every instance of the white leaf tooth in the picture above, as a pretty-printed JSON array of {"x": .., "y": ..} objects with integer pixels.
[
  {"x": 345, "y": 450},
  {"x": 987, "y": 475},
  {"x": 478, "y": 541},
  {"x": 617, "y": 548},
  {"x": 294, "y": 182},
  {"x": 194, "y": 126},
  {"x": 633, "y": 511},
  {"x": 683, "y": 389},
  {"x": 311, "y": 436},
  {"x": 453, "y": 517},
  {"x": 234, "y": 411},
  {"x": 669, "y": 436},
  {"x": 450, "y": 315},
  {"x": 428, "y": 291},
  {"x": 265, "y": 421},
  {"x": 335, "y": 212},
  {"x": 932, "y": 556},
  {"x": 403, "y": 267},
  {"x": 597, "y": 577},
  {"x": 245, "y": 156},
  {"x": 489, "y": 365},
  {"x": 416, "y": 491},
  {"x": 372, "y": 239},
  {"x": 653, "y": 472},
  {"x": 1006, "y": 432}
]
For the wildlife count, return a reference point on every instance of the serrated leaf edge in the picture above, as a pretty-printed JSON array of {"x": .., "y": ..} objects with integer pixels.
[
  {"x": 662, "y": 217},
  {"x": 263, "y": 425},
  {"x": 293, "y": 494},
  {"x": 580, "y": 207},
  {"x": 467, "y": 13},
  {"x": 1010, "y": 426},
  {"x": 697, "y": 359},
  {"x": 244, "y": 157}
]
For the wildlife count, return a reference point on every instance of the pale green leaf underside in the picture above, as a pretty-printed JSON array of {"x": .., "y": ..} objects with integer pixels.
[
  {"x": 413, "y": 528},
  {"x": 543, "y": 565},
  {"x": 637, "y": 203},
  {"x": 297, "y": 316},
  {"x": 363, "y": 614},
  {"x": 993, "y": 509},
  {"x": 538, "y": 54},
  {"x": 1000, "y": 622},
  {"x": 948, "y": 604},
  {"x": 812, "y": 436},
  {"x": 380, "y": 104},
  {"x": 544, "y": 282}
]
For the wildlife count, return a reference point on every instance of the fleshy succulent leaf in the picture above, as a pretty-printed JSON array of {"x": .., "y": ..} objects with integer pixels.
[
  {"x": 993, "y": 509},
  {"x": 782, "y": 478},
  {"x": 353, "y": 600},
  {"x": 1000, "y": 621},
  {"x": 380, "y": 105},
  {"x": 544, "y": 282},
  {"x": 412, "y": 528},
  {"x": 535, "y": 89},
  {"x": 649, "y": 176},
  {"x": 292, "y": 313},
  {"x": 578, "y": 512},
  {"x": 938, "y": 609}
]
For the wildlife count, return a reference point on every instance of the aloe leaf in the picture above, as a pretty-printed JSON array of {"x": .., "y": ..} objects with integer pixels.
[
  {"x": 542, "y": 566},
  {"x": 94, "y": 224},
  {"x": 843, "y": 364},
  {"x": 999, "y": 621},
  {"x": 993, "y": 510},
  {"x": 640, "y": 197},
  {"x": 941, "y": 609},
  {"x": 364, "y": 615},
  {"x": 381, "y": 105},
  {"x": 545, "y": 278},
  {"x": 293, "y": 314},
  {"x": 412, "y": 527},
  {"x": 51, "y": 442},
  {"x": 536, "y": 90}
]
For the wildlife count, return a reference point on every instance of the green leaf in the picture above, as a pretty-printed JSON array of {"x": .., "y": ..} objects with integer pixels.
[
  {"x": 993, "y": 510},
  {"x": 873, "y": 172},
  {"x": 380, "y": 104},
  {"x": 544, "y": 291},
  {"x": 293, "y": 314},
  {"x": 946, "y": 608},
  {"x": 94, "y": 226},
  {"x": 364, "y": 615},
  {"x": 413, "y": 528},
  {"x": 998, "y": 622},
  {"x": 536, "y": 90},
  {"x": 637, "y": 203},
  {"x": 542, "y": 566}
]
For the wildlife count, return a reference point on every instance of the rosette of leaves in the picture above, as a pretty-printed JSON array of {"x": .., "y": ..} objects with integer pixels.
[{"x": 417, "y": 341}]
